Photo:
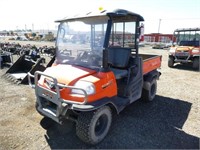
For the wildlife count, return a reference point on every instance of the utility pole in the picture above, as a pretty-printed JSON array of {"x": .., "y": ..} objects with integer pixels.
[
  {"x": 159, "y": 25},
  {"x": 32, "y": 26},
  {"x": 159, "y": 40}
]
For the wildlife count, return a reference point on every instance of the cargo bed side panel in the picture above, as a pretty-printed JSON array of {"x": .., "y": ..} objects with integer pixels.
[{"x": 150, "y": 63}]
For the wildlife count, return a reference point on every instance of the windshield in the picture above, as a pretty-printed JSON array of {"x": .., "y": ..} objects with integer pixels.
[
  {"x": 80, "y": 43},
  {"x": 188, "y": 38}
]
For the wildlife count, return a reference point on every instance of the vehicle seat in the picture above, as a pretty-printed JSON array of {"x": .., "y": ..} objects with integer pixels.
[{"x": 118, "y": 59}]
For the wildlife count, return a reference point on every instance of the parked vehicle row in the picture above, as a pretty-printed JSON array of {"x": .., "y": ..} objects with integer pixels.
[{"x": 18, "y": 49}]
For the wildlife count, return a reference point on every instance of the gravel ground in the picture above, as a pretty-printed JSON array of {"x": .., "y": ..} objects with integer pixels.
[{"x": 171, "y": 121}]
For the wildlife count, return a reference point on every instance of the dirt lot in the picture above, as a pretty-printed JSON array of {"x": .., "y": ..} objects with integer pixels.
[{"x": 171, "y": 121}]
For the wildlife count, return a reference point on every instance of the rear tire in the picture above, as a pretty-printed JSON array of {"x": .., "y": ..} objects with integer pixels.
[
  {"x": 170, "y": 62},
  {"x": 93, "y": 126},
  {"x": 149, "y": 95},
  {"x": 196, "y": 62}
]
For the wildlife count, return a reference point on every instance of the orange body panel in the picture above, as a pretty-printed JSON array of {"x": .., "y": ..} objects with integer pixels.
[
  {"x": 104, "y": 82},
  {"x": 67, "y": 74},
  {"x": 105, "y": 86},
  {"x": 151, "y": 64},
  {"x": 188, "y": 49}
]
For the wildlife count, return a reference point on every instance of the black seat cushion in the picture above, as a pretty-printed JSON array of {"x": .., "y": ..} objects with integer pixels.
[{"x": 118, "y": 59}]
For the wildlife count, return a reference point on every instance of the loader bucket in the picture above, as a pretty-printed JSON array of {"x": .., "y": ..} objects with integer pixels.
[
  {"x": 18, "y": 71},
  {"x": 51, "y": 61}
]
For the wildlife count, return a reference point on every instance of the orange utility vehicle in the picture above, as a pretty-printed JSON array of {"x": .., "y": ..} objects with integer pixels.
[
  {"x": 187, "y": 47},
  {"x": 97, "y": 72}
]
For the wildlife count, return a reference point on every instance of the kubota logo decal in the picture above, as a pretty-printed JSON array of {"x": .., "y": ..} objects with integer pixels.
[{"x": 107, "y": 84}]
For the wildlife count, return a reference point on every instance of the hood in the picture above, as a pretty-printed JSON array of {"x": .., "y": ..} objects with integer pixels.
[
  {"x": 68, "y": 74},
  {"x": 184, "y": 48}
]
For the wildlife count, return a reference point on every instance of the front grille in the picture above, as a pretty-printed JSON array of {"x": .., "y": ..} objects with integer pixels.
[
  {"x": 47, "y": 104},
  {"x": 50, "y": 84}
]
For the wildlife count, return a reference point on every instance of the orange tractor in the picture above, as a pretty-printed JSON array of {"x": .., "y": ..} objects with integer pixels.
[
  {"x": 187, "y": 48},
  {"x": 97, "y": 72}
]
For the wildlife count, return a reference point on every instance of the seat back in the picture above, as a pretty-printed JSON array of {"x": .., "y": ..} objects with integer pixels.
[{"x": 119, "y": 57}]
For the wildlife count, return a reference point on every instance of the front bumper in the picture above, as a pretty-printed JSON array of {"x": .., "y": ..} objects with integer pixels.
[
  {"x": 49, "y": 102},
  {"x": 183, "y": 57}
]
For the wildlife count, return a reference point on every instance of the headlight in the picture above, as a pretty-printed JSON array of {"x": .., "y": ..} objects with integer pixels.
[
  {"x": 172, "y": 50},
  {"x": 87, "y": 86},
  {"x": 195, "y": 51}
]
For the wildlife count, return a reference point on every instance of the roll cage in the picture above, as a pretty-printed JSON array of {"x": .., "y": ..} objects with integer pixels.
[
  {"x": 117, "y": 19},
  {"x": 187, "y": 37}
]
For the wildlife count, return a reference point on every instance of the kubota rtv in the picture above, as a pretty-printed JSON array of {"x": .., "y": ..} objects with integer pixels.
[
  {"x": 97, "y": 72},
  {"x": 186, "y": 50}
]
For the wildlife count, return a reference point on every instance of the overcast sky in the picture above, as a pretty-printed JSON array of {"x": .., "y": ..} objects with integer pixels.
[{"x": 41, "y": 14}]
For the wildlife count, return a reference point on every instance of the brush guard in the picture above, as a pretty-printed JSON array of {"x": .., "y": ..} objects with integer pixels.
[
  {"x": 49, "y": 102},
  {"x": 182, "y": 56}
]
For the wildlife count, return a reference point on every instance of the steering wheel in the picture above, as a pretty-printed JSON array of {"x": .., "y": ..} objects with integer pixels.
[{"x": 91, "y": 57}]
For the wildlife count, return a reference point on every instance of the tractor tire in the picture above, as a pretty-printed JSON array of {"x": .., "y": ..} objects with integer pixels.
[
  {"x": 196, "y": 63},
  {"x": 149, "y": 95},
  {"x": 170, "y": 62},
  {"x": 93, "y": 126}
]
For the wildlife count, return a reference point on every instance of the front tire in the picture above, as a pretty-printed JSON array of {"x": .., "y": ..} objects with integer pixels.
[
  {"x": 93, "y": 126},
  {"x": 196, "y": 63},
  {"x": 149, "y": 95},
  {"x": 170, "y": 62}
]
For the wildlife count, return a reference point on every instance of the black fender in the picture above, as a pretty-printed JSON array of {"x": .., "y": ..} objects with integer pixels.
[
  {"x": 117, "y": 104},
  {"x": 148, "y": 78}
]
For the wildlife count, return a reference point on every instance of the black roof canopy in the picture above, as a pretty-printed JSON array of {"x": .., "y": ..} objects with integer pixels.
[
  {"x": 187, "y": 29},
  {"x": 121, "y": 14},
  {"x": 116, "y": 15}
]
